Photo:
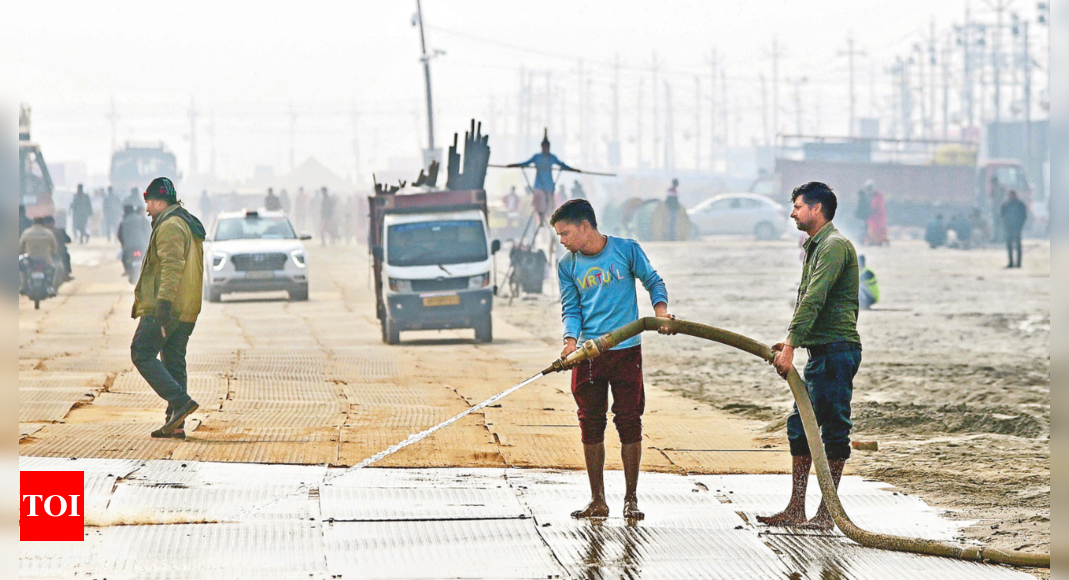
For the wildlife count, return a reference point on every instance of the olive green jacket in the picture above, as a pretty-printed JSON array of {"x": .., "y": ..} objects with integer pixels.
[
  {"x": 173, "y": 267},
  {"x": 827, "y": 306}
]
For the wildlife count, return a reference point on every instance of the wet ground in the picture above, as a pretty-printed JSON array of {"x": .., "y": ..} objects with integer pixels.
[
  {"x": 311, "y": 384},
  {"x": 955, "y": 382},
  {"x": 178, "y": 520}
]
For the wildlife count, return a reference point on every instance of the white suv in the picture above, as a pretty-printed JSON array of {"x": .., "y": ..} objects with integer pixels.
[{"x": 254, "y": 251}]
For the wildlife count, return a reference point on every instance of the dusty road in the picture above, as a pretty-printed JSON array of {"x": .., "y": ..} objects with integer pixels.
[
  {"x": 954, "y": 385},
  {"x": 955, "y": 379},
  {"x": 311, "y": 383}
]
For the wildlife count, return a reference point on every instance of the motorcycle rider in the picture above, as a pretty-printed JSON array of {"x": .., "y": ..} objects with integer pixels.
[
  {"x": 63, "y": 267},
  {"x": 39, "y": 243},
  {"x": 133, "y": 234}
]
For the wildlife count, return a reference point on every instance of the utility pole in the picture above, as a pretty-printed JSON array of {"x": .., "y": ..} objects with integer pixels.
[
  {"x": 724, "y": 110},
  {"x": 918, "y": 51},
  {"x": 293, "y": 134},
  {"x": 1027, "y": 101},
  {"x": 528, "y": 105},
  {"x": 999, "y": 6},
  {"x": 798, "y": 103},
  {"x": 113, "y": 120},
  {"x": 669, "y": 130},
  {"x": 582, "y": 116},
  {"x": 905, "y": 100},
  {"x": 354, "y": 117},
  {"x": 616, "y": 101},
  {"x": 697, "y": 123},
  {"x": 776, "y": 54},
  {"x": 549, "y": 100},
  {"x": 946, "y": 89},
  {"x": 521, "y": 129},
  {"x": 714, "y": 63},
  {"x": 192, "y": 137},
  {"x": 638, "y": 121},
  {"x": 850, "y": 53},
  {"x": 426, "y": 59},
  {"x": 656, "y": 136},
  {"x": 764, "y": 109},
  {"x": 211, "y": 142},
  {"x": 931, "y": 77}
]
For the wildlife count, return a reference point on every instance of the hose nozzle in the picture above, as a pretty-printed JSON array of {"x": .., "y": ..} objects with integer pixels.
[{"x": 589, "y": 349}]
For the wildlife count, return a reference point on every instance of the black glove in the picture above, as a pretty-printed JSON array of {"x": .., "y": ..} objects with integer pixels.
[{"x": 163, "y": 313}]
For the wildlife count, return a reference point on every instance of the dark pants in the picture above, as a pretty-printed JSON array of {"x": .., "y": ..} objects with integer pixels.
[
  {"x": 1013, "y": 244},
  {"x": 620, "y": 371},
  {"x": 166, "y": 374},
  {"x": 829, "y": 378}
]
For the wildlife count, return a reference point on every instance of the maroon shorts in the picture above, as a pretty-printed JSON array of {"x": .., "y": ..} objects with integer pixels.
[{"x": 621, "y": 371}]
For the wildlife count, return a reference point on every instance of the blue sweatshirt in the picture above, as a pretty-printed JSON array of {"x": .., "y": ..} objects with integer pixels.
[{"x": 598, "y": 292}]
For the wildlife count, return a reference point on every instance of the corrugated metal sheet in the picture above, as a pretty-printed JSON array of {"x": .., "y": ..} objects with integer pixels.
[
  {"x": 439, "y": 549},
  {"x": 192, "y": 520}
]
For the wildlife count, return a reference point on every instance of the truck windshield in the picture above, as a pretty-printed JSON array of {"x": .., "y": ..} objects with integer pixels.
[
  {"x": 433, "y": 243},
  {"x": 253, "y": 228}
]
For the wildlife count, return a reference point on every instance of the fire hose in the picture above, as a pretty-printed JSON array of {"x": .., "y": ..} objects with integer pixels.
[{"x": 594, "y": 347}]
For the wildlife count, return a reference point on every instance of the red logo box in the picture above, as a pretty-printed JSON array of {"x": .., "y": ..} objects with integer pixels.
[{"x": 51, "y": 506}]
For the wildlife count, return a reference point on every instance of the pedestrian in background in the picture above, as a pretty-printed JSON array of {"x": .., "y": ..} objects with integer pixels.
[
  {"x": 112, "y": 212},
  {"x": 824, "y": 323},
  {"x": 284, "y": 201},
  {"x": 300, "y": 210},
  {"x": 936, "y": 232},
  {"x": 877, "y": 222},
  {"x": 205, "y": 207},
  {"x": 81, "y": 211},
  {"x": 328, "y": 224},
  {"x": 135, "y": 200},
  {"x": 271, "y": 201},
  {"x": 167, "y": 299},
  {"x": 1013, "y": 214}
]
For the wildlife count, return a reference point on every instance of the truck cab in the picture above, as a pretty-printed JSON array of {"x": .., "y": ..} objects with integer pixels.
[{"x": 433, "y": 262}]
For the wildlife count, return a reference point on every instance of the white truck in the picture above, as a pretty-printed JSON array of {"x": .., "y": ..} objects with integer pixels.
[{"x": 433, "y": 262}]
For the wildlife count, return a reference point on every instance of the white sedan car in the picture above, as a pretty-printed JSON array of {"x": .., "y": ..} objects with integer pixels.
[
  {"x": 254, "y": 251},
  {"x": 740, "y": 213}
]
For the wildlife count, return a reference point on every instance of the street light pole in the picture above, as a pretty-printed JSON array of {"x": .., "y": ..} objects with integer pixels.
[{"x": 426, "y": 77}]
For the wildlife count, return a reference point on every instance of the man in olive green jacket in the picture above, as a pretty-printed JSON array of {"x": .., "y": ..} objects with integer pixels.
[
  {"x": 167, "y": 300},
  {"x": 825, "y": 324}
]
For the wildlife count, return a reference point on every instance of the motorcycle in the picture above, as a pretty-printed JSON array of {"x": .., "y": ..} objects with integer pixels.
[
  {"x": 37, "y": 280},
  {"x": 133, "y": 266}
]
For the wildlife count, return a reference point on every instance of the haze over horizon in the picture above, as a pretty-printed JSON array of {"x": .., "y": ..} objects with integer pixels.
[{"x": 332, "y": 72}]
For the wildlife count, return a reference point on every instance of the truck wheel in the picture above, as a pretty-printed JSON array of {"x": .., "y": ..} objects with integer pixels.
[
  {"x": 299, "y": 295},
  {"x": 484, "y": 330},
  {"x": 390, "y": 333},
  {"x": 764, "y": 231},
  {"x": 212, "y": 294}
]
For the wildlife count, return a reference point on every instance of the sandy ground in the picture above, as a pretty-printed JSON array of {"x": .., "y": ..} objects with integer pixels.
[{"x": 954, "y": 385}]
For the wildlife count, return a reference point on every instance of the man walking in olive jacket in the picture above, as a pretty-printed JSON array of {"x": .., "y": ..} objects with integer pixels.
[{"x": 167, "y": 299}]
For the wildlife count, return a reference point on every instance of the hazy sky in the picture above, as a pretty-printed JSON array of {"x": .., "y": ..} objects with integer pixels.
[{"x": 244, "y": 68}]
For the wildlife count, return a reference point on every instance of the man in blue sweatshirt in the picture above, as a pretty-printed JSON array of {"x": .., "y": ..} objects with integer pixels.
[{"x": 597, "y": 287}]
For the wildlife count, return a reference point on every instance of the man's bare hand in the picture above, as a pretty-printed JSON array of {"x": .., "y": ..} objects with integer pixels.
[
  {"x": 783, "y": 358},
  {"x": 569, "y": 347},
  {"x": 661, "y": 311}
]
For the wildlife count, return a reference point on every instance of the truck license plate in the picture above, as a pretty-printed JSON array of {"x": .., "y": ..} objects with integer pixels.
[
  {"x": 37, "y": 276},
  {"x": 452, "y": 300},
  {"x": 259, "y": 275}
]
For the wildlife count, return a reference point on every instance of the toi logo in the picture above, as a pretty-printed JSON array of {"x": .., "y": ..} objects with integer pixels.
[{"x": 51, "y": 506}]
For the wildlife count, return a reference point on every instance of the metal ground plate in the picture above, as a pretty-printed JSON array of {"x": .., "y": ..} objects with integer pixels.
[{"x": 193, "y": 520}]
